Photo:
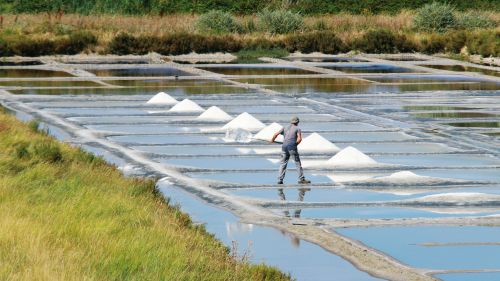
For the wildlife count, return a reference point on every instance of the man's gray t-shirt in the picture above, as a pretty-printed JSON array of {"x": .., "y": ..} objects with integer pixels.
[{"x": 290, "y": 135}]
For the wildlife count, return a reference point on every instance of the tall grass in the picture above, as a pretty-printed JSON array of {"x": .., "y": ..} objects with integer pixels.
[{"x": 74, "y": 217}]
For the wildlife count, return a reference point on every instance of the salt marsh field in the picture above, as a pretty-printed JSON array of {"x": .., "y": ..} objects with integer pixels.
[{"x": 403, "y": 155}]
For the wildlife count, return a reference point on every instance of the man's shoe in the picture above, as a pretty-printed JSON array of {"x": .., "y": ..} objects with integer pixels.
[
  {"x": 304, "y": 181},
  {"x": 280, "y": 182}
]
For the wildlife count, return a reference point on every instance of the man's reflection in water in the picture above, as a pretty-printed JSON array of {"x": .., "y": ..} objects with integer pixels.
[
  {"x": 300, "y": 198},
  {"x": 296, "y": 213}
]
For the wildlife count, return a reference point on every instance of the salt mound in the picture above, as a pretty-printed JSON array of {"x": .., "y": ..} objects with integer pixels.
[
  {"x": 407, "y": 177},
  {"x": 268, "y": 132},
  {"x": 351, "y": 157},
  {"x": 459, "y": 197},
  {"x": 186, "y": 105},
  {"x": 316, "y": 143},
  {"x": 245, "y": 121},
  {"x": 214, "y": 114},
  {"x": 162, "y": 98}
]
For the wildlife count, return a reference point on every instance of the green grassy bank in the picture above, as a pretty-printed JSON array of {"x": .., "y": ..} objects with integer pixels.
[{"x": 67, "y": 215}]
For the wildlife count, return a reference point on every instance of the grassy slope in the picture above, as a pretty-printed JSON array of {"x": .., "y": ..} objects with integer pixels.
[{"x": 77, "y": 218}]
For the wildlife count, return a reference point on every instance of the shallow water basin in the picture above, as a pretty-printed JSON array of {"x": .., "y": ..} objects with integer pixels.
[
  {"x": 31, "y": 73},
  {"x": 166, "y": 139},
  {"x": 140, "y": 71},
  {"x": 475, "y": 124},
  {"x": 260, "y": 70},
  {"x": 470, "y": 276},
  {"x": 325, "y": 59},
  {"x": 403, "y": 147},
  {"x": 44, "y": 83},
  {"x": 435, "y": 247},
  {"x": 461, "y": 68},
  {"x": 258, "y": 177},
  {"x": 454, "y": 114},
  {"x": 381, "y": 213},
  {"x": 440, "y": 160},
  {"x": 220, "y": 162},
  {"x": 369, "y": 68}
]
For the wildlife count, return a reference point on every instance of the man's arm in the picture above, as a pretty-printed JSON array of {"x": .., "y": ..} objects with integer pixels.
[
  {"x": 276, "y": 135},
  {"x": 299, "y": 137}
]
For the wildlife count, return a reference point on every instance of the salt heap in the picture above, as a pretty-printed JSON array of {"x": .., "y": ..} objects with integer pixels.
[
  {"x": 351, "y": 157},
  {"x": 405, "y": 177},
  {"x": 245, "y": 121},
  {"x": 316, "y": 143},
  {"x": 214, "y": 114},
  {"x": 186, "y": 105},
  {"x": 162, "y": 98},
  {"x": 268, "y": 132}
]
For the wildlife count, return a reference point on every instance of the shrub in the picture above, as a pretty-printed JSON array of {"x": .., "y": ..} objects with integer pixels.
[
  {"x": 217, "y": 22},
  {"x": 47, "y": 151},
  {"x": 474, "y": 20},
  {"x": 456, "y": 40},
  {"x": 34, "y": 125},
  {"x": 320, "y": 41},
  {"x": 75, "y": 43},
  {"x": 124, "y": 43},
  {"x": 280, "y": 21},
  {"x": 485, "y": 43},
  {"x": 383, "y": 41},
  {"x": 435, "y": 43},
  {"x": 435, "y": 17}
]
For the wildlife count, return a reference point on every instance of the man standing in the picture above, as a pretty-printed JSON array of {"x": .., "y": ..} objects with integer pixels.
[{"x": 292, "y": 136}]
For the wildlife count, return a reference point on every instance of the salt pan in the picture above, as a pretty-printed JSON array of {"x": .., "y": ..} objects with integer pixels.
[
  {"x": 459, "y": 197},
  {"x": 214, "y": 114},
  {"x": 317, "y": 143},
  {"x": 268, "y": 132},
  {"x": 186, "y": 105},
  {"x": 162, "y": 98},
  {"x": 351, "y": 157},
  {"x": 245, "y": 121}
]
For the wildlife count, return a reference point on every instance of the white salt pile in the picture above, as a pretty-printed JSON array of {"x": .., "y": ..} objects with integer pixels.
[
  {"x": 186, "y": 105},
  {"x": 268, "y": 132},
  {"x": 351, "y": 157},
  {"x": 245, "y": 121},
  {"x": 214, "y": 114},
  {"x": 237, "y": 135},
  {"x": 162, "y": 98},
  {"x": 317, "y": 143}
]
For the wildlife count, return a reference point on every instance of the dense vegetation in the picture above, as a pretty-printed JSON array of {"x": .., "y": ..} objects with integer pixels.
[
  {"x": 67, "y": 215},
  {"x": 235, "y": 6}
]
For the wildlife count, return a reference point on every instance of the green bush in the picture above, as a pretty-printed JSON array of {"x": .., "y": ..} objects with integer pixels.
[
  {"x": 435, "y": 17},
  {"x": 383, "y": 41},
  {"x": 280, "y": 21},
  {"x": 320, "y": 41},
  {"x": 217, "y": 22},
  {"x": 485, "y": 43},
  {"x": 435, "y": 43},
  {"x": 474, "y": 20}
]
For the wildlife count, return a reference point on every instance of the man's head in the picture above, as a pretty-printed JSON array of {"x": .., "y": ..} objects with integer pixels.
[{"x": 295, "y": 120}]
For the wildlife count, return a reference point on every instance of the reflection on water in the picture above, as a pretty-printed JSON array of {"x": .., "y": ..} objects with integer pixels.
[
  {"x": 48, "y": 84},
  {"x": 475, "y": 124},
  {"x": 464, "y": 68},
  {"x": 301, "y": 85},
  {"x": 454, "y": 114},
  {"x": 89, "y": 91},
  {"x": 325, "y": 59},
  {"x": 233, "y": 70},
  {"x": 300, "y": 198},
  {"x": 435, "y": 107},
  {"x": 31, "y": 73},
  {"x": 369, "y": 68},
  {"x": 186, "y": 87},
  {"x": 139, "y": 71}
]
